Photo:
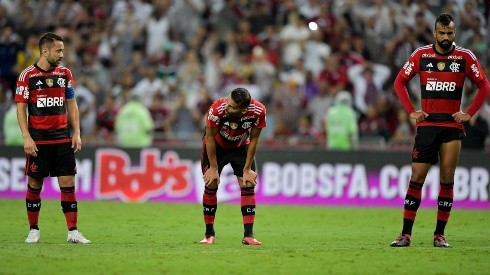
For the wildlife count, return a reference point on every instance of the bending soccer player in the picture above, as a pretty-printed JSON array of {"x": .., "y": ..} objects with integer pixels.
[{"x": 233, "y": 127}]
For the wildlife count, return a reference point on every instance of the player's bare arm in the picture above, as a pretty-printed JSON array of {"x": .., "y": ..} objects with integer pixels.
[
  {"x": 30, "y": 147},
  {"x": 73, "y": 116},
  {"x": 250, "y": 176},
  {"x": 211, "y": 176}
]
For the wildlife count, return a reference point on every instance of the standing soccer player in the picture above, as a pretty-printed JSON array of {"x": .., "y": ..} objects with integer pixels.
[
  {"x": 442, "y": 68},
  {"x": 233, "y": 127},
  {"x": 45, "y": 90}
]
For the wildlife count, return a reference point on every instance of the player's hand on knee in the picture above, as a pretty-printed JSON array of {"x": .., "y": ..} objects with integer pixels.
[{"x": 249, "y": 178}]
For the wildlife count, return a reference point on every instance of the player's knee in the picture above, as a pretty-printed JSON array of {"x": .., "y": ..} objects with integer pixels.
[
  {"x": 447, "y": 176},
  {"x": 417, "y": 178}
]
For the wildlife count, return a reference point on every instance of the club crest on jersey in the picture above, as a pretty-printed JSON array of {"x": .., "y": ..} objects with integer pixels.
[
  {"x": 441, "y": 66},
  {"x": 454, "y": 67},
  {"x": 49, "y": 82},
  {"x": 233, "y": 125},
  {"x": 247, "y": 125}
]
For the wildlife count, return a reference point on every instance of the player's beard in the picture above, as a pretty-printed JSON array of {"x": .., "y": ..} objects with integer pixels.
[
  {"x": 53, "y": 62},
  {"x": 445, "y": 44}
]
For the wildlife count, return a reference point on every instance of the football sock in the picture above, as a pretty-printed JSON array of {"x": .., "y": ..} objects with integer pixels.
[
  {"x": 69, "y": 206},
  {"x": 247, "y": 202},
  {"x": 33, "y": 206},
  {"x": 444, "y": 205},
  {"x": 209, "y": 206},
  {"x": 411, "y": 205}
]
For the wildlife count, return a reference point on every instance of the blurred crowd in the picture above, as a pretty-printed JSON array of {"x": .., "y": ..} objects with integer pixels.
[{"x": 163, "y": 62}]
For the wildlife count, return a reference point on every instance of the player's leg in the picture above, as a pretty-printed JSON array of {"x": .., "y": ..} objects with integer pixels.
[
  {"x": 33, "y": 206},
  {"x": 209, "y": 199},
  {"x": 247, "y": 195},
  {"x": 423, "y": 155},
  {"x": 449, "y": 155},
  {"x": 36, "y": 171},
  {"x": 64, "y": 167}
]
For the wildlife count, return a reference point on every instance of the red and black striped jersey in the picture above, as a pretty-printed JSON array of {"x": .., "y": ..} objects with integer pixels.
[
  {"x": 45, "y": 93},
  {"x": 234, "y": 132},
  {"x": 442, "y": 79}
]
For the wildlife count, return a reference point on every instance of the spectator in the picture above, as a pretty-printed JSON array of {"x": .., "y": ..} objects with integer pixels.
[
  {"x": 10, "y": 46},
  {"x": 373, "y": 126},
  {"x": 290, "y": 103},
  {"x": 106, "y": 118},
  {"x": 306, "y": 133},
  {"x": 341, "y": 124},
  {"x": 335, "y": 78},
  {"x": 157, "y": 29},
  {"x": 263, "y": 74},
  {"x": 181, "y": 119},
  {"x": 160, "y": 114},
  {"x": 319, "y": 104},
  {"x": 405, "y": 130},
  {"x": 148, "y": 86},
  {"x": 29, "y": 54},
  {"x": 368, "y": 83},
  {"x": 134, "y": 125},
  {"x": 315, "y": 53},
  {"x": 87, "y": 107},
  {"x": 293, "y": 36},
  {"x": 12, "y": 134}
]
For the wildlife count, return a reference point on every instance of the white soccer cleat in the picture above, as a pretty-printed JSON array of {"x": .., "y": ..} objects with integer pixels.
[
  {"x": 76, "y": 237},
  {"x": 33, "y": 236}
]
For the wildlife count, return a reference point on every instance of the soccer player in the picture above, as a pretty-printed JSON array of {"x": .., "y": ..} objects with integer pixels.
[
  {"x": 442, "y": 68},
  {"x": 233, "y": 127},
  {"x": 45, "y": 90}
]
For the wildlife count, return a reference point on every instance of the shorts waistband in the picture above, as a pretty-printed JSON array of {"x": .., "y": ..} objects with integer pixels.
[{"x": 440, "y": 118}]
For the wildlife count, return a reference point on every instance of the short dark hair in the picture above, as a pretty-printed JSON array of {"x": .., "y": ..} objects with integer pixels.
[
  {"x": 48, "y": 38},
  {"x": 241, "y": 96},
  {"x": 445, "y": 19}
]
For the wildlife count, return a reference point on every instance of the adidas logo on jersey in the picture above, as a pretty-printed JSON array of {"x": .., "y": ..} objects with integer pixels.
[{"x": 39, "y": 83}]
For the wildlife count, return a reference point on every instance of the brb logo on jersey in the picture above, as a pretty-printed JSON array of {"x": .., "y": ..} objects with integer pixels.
[
  {"x": 440, "y": 86},
  {"x": 56, "y": 101}
]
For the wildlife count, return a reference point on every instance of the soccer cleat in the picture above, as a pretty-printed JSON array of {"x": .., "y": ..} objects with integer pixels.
[
  {"x": 207, "y": 240},
  {"x": 440, "y": 241},
  {"x": 250, "y": 241},
  {"x": 402, "y": 241},
  {"x": 33, "y": 236},
  {"x": 76, "y": 237}
]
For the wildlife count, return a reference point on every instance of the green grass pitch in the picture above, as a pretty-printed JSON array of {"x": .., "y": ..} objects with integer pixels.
[{"x": 161, "y": 238}]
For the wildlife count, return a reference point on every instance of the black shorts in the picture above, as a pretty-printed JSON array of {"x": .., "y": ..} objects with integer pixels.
[
  {"x": 235, "y": 157},
  {"x": 52, "y": 160},
  {"x": 429, "y": 139}
]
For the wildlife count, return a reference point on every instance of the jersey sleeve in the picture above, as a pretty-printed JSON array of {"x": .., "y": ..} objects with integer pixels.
[
  {"x": 410, "y": 68},
  {"x": 212, "y": 119},
  {"x": 69, "y": 91},
  {"x": 22, "y": 88},
  {"x": 261, "y": 121},
  {"x": 476, "y": 74}
]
